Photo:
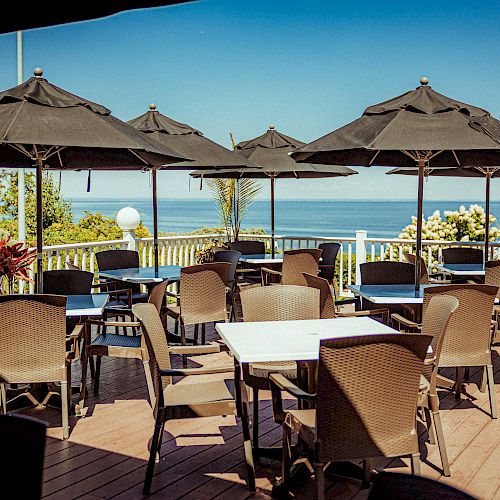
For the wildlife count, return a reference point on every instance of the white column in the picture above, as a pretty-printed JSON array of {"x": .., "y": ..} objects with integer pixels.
[
  {"x": 361, "y": 236},
  {"x": 129, "y": 236}
]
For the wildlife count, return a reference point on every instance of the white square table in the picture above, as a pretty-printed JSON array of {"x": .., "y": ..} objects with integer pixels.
[
  {"x": 261, "y": 259},
  {"x": 461, "y": 269},
  {"x": 86, "y": 305},
  {"x": 143, "y": 275}
]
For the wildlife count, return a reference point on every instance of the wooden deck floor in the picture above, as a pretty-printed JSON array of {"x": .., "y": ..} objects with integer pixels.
[{"x": 202, "y": 458}]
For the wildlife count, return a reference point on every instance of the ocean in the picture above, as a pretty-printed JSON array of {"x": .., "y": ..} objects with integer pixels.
[{"x": 381, "y": 218}]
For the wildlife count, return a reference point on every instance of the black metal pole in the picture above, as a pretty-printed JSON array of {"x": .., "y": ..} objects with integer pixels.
[
  {"x": 421, "y": 166},
  {"x": 39, "y": 226},
  {"x": 487, "y": 220},
  {"x": 272, "y": 216},
  {"x": 155, "y": 221}
]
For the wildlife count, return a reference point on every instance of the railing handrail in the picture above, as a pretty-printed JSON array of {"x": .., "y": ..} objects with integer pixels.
[
  {"x": 429, "y": 242},
  {"x": 86, "y": 244}
]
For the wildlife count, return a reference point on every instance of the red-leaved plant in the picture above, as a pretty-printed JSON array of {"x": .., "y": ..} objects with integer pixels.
[{"x": 14, "y": 261}]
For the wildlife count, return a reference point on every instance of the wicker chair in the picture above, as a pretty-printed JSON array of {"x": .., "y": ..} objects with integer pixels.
[
  {"x": 492, "y": 277},
  {"x": 295, "y": 262},
  {"x": 276, "y": 303},
  {"x": 425, "y": 278},
  {"x": 328, "y": 260},
  {"x": 463, "y": 255},
  {"x": 329, "y": 306},
  {"x": 366, "y": 401},
  {"x": 120, "y": 346},
  {"x": 399, "y": 486},
  {"x": 203, "y": 299},
  {"x": 180, "y": 400},
  {"x": 461, "y": 349},
  {"x": 233, "y": 257},
  {"x": 22, "y": 447},
  {"x": 34, "y": 346},
  {"x": 249, "y": 274}
]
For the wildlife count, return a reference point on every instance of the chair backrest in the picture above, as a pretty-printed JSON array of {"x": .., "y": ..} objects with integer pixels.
[
  {"x": 249, "y": 247},
  {"x": 492, "y": 274},
  {"x": 439, "y": 309},
  {"x": 33, "y": 338},
  {"x": 463, "y": 255},
  {"x": 367, "y": 395},
  {"x": 231, "y": 256},
  {"x": 72, "y": 267},
  {"x": 468, "y": 334},
  {"x": 328, "y": 259},
  {"x": 400, "y": 486},
  {"x": 326, "y": 300},
  {"x": 157, "y": 295},
  {"x": 203, "y": 293},
  {"x": 22, "y": 448},
  {"x": 411, "y": 258},
  {"x": 67, "y": 282},
  {"x": 387, "y": 273},
  {"x": 156, "y": 342},
  {"x": 296, "y": 262},
  {"x": 117, "y": 259},
  {"x": 280, "y": 303}
]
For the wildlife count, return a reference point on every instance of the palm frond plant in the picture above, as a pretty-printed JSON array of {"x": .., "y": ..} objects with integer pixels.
[{"x": 14, "y": 262}]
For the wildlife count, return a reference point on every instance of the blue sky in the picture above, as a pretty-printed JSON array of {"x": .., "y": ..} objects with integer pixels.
[{"x": 308, "y": 67}]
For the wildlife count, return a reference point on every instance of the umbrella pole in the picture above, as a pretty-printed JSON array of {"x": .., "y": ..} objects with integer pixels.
[
  {"x": 487, "y": 221},
  {"x": 39, "y": 226},
  {"x": 272, "y": 217},
  {"x": 421, "y": 166},
  {"x": 155, "y": 221}
]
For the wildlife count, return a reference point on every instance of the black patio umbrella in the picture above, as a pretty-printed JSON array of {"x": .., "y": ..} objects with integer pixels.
[
  {"x": 272, "y": 152},
  {"x": 487, "y": 172},
  {"x": 420, "y": 128},
  {"x": 190, "y": 142},
  {"x": 46, "y": 127}
]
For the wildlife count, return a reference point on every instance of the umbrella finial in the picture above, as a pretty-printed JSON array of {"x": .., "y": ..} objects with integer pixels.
[
  {"x": 424, "y": 80},
  {"x": 38, "y": 72},
  {"x": 271, "y": 127},
  {"x": 152, "y": 106}
]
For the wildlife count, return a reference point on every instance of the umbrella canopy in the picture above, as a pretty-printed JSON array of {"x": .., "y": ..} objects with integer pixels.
[
  {"x": 419, "y": 128},
  {"x": 486, "y": 172},
  {"x": 272, "y": 151},
  {"x": 41, "y": 14},
  {"x": 44, "y": 126},
  {"x": 190, "y": 142}
]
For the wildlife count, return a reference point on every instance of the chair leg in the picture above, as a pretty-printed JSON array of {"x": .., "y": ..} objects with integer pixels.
[
  {"x": 458, "y": 382},
  {"x": 183, "y": 342},
  {"x": 64, "y": 409},
  {"x": 83, "y": 383},
  {"x": 149, "y": 382},
  {"x": 415, "y": 464},
  {"x": 3, "y": 397},
  {"x": 97, "y": 373},
  {"x": 255, "y": 423},
  {"x": 286, "y": 461},
  {"x": 491, "y": 391},
  {"x": 152, "y": 456},
  {"x": 319, "y": 481},
  {"x": 367, "y": 473},
  {"x": 247, "y": 443},
  {"x": 441, "y": 443},
  {"x": 484, "y": 380},
  {"x": 92, "y": 366},
  {"x": 430, "y": 426},
  {"x": 203, "y": 333},
  {"x": 196, "y": 334}
]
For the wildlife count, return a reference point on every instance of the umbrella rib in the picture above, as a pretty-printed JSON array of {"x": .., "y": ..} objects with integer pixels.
[
  {"x": 138, "y": 156},
  {"x": 373, "y": 159},
  {"x": 456, "y": 158}
]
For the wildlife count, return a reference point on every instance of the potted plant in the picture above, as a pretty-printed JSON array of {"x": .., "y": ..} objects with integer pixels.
[{"x": 14, "y": 262}]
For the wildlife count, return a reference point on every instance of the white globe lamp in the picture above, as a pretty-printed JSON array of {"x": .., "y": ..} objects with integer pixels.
[{"x": 127, "y": 219}]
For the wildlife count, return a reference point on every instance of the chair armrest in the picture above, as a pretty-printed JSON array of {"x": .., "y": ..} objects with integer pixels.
[
  {"x": 243, "y": 270},
  {"x": 76, "y": 333},
  {"x": 406, "y": 322},
  {"x": 100, "y": 322},
  {"x": 185, "y": 372},
  {"x": 270, "y": 271},
  {"x": 195, "y": 349},
  {"x": 342, "y": 302},
  {"x": 287, "y": 385},
  {"x": 267, "y": 274}
]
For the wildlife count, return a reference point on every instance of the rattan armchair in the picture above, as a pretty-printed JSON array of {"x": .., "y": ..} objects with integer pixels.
[
  {"x": 425, "y": 278},
  {"x": 329, "y": 305},
  {"x": 328, "y": 260},
  {"x": 295, "y": 262},
  {"x": 492, "y": 277},
  {"x": 203, "y": 299},
  {"x": 462, "y": 255},
  {"x": 183, "y": 400},
  {"x": 276, "y": 303},
  {"x": 366, "y": 402},
  {"x": 232, "y": 257},
  {"x": 248, "y": 274},
  {"x": 34, "y": 346},
  {"x": 120, "y": 346}
]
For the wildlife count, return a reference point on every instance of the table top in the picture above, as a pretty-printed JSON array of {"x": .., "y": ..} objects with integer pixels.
[
  {"x": 390, "y": 294},
  {"x": 462, "y": 269},
  {"x": 86, "y": 305},
  {"x": 262, "y": 258},
  {"x": 291, "y": 340},
  {"x": 143, "y": 275}
]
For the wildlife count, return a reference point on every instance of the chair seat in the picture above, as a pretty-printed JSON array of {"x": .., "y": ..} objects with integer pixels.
[
  {"x": 199, "y": 392},
  {"x": 114, "y": 340},
  {"x": 286, "y": 368},
  {"x": 303, "y": 422}
]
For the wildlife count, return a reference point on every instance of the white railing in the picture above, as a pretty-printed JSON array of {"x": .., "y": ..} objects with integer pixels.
[{"x": 182, "y": 250}]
